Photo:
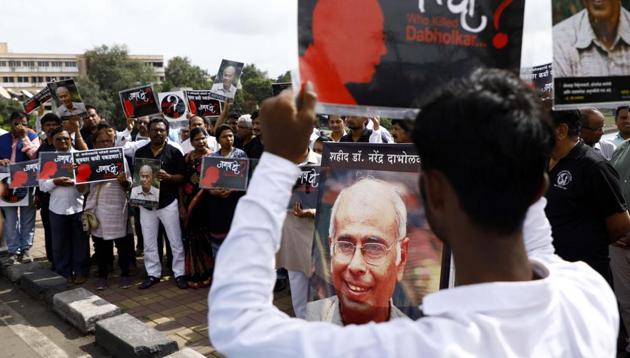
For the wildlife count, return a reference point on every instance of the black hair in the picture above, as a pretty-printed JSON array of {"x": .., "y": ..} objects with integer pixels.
[
  {"x": 158, "y": 119},
  {"x": 195, "y": 131},
  {"x": 58, "y": 130},
  {"x": 88, "y": 107},
  {"x": 50, "y": 117},
  {"x": 572, "y": 118},
  {"x": 220, "y": 129},
  {"x": 406, "y": 125},
  {"x": 17, "y": 115},
  {"x": 488, "y": 135},
  {"x": 254, "y": 115},
  {"x": 619, "y": 109},
  {"x": 233, "y": 115}
]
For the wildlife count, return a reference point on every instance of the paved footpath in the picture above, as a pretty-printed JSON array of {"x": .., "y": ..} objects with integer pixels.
[{"x": 179, "y": 314}]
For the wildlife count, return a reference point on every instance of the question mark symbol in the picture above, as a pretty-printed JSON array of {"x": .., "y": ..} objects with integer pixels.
[{"x": 500, "y": 39}]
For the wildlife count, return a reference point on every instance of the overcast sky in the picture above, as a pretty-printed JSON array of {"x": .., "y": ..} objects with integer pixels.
[{"x": 262, "y": 32}]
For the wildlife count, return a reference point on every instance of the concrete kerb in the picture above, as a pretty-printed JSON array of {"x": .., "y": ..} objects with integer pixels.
[
  {"x": 126, "y": 336},
  {"x": 14, "y": 272},
  {"x": 185, "y": 353},
  {"x": 83, "y": 309},
  {"x": 43, "y": 284}
]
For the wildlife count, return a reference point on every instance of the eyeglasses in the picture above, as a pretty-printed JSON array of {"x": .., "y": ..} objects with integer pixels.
[{"x": 373, "y": 253}]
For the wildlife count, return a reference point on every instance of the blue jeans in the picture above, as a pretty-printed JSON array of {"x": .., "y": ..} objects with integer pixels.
[
  {"x": 71, "y": 246},
  {"x": 19, "y": 234}
]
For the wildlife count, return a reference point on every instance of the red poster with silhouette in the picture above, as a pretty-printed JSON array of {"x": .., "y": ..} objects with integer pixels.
[
  {"x": 55, "y": 165},
  {"x": 96, "y": 165},
  {"x": 389, "y": 56},
  {"x": 227, "y": 173},
  {"x": 23, "y": 174},
  {"x": 201, "y": 103},
  {"x": 139, "y": 101}
]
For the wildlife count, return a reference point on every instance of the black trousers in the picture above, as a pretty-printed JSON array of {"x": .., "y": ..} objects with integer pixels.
[{"x": 105, "y": 254}]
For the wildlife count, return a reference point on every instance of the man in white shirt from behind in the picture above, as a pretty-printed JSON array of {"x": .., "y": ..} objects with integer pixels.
[{"x": 505, "y": 304}]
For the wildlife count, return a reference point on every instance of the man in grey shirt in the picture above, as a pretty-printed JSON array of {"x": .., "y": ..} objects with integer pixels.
[{"x": 593, "y": 42}]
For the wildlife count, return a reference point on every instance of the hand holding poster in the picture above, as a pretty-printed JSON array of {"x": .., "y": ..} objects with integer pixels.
[
  {"x": 55, "y": 165},
  {"x": 97, "y": 165},
  {"x": 145, "y": 190},
  {"x": 227, "y": 173},
  {"x": 24, "y": 174},
  {"x": 173, "y": 105},
  {"x": 67, "y": 99},
  {"x": 224, "y": 86},
  {"x": 37, "y": 100},
  {"x": 369, "y": 193},
  {"x": 139, "y": 101},
  {"x": 202, "y": 103},
  {"x": 394, "y": 54}
]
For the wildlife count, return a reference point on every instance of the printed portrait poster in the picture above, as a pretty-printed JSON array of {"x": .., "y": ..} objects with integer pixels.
[
  {"x": 305, "y": 188},
  {"x": 370, "y": 193},
  {"x": 221, "y": 172},
  {"x": 55, "y": 165},
  {"x": 145, "y": 187},
  {"x": 173, "y": 105},
  {"x": 591, "y": 69},
  {"x": 98, "y": 165},
  {"x": 226, "y": 80},
  {"x": 11, "y": 197},
  {"x": 277, "y": 88},
  {"x": 24, "y": 174},
  {"x": 540, "y": 78},
  {"x": 37, "y": 100},
  {"x": 393, "y": 54},
  {"x": 139, "y": 101},
  {"x": 67, "y": 99},
  {"x": 201, "y": 103}
]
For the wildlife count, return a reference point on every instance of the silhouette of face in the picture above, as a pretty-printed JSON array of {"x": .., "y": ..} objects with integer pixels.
[{"x": 351, "y": 34}]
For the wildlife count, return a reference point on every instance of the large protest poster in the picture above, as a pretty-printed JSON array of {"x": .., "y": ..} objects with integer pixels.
[
  {"x": 591, "y": 67},
  {"x": 226, "y": 80},
  {"x": 37, "y": 100},
  {"x": 201, "y": 103},
  {"x": 145, "y": 188},
  {"x": 11, "y": 197},
  {"x": 368, "y": 197},
  {"x": 305, "y": 188},
  {"x": 173, "y": 105},
  {"x": 96, "y": 165},
  {"x": 221, "y": 172},
  {"x": 540, "y": 79},
  {"x": 55, "y": 165},
  {"x": 394, "y": 54},
  {"x": 24, "y": 174},
  {"x": 139, "y": 101},
  {"x": 67, "y": 99}
]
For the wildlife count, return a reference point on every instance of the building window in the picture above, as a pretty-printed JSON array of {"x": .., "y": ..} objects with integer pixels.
[
  {"x": 15, "y": 63},
  {"x": 50, "y": 79},
  {"x": 56, "y": 63},
  {"x": 22, "y": 79},
  {"x": 158, "y": 64},
  {"x": 43, "y": 63},
  {"x": 28, "y": 63},
  {"x": 3, "y": 63},
  {"x": 7, "y": 79},
  {"x": 70, "y": 64}
]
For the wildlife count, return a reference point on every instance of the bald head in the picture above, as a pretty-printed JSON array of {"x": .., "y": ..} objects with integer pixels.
[{"x": 592, "y": 126}]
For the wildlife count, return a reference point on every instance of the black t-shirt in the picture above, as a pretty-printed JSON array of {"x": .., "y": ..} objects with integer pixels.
[
  {"x": 173, "y": 163},
  {"x": 44, "y": 197},
  {"x": 584, "y": 190},
  {"x": 254, "y": 149},
  {"x": 365, "y": 137},
  {"x": 87, "y": 136}
]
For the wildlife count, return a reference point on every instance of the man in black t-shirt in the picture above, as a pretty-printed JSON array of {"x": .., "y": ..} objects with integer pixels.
[
  {"x": 585, "y": 207},
  {"x": 171, "y": 175}
]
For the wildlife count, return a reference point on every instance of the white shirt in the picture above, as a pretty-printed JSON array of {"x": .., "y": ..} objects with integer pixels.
[
  {"x": 212, "y": 144},
  {"x": 570, "y": 312},
  {"x": 605, "y": 148},
  {"x": 64, "y": 200}
]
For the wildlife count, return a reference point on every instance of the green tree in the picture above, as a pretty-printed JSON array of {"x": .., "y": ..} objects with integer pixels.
[
  {"x": 110, "y": 70},
  {"x": 181, "y": 73},
  {"x": 8, "y": 106},
  {"x": 255, "y": 87},
  {"x": 286, "y": 77}
]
